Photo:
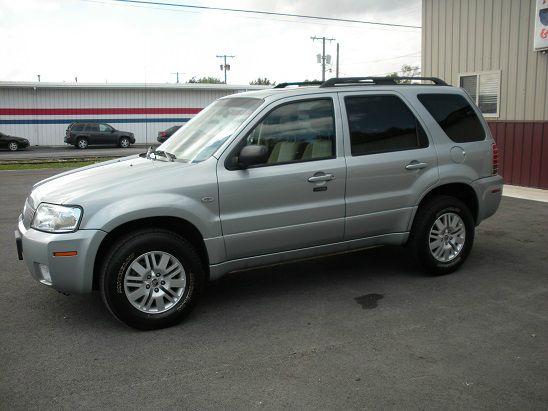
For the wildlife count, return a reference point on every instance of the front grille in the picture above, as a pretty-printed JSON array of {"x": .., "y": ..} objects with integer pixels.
[{"x": 28, "y": 213}]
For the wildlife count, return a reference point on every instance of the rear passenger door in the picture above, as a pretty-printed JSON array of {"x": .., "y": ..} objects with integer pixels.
[
  {"x": 296, "y": 198},
  {"x": 391, "y": 162}
]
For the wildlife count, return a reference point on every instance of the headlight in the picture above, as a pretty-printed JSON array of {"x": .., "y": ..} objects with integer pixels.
[{"x": 54, "y": 218}]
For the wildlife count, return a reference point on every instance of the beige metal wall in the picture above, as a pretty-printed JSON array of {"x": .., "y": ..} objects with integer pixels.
[{"x": 461, "y": 36}]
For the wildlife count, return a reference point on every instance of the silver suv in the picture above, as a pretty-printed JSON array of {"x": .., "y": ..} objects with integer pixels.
[{"x": 265, "y": 177}]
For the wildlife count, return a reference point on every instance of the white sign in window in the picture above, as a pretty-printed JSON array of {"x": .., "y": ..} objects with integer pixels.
[
  {"x": 484, "y": 89},
  {"x": 540, "y": 36}
]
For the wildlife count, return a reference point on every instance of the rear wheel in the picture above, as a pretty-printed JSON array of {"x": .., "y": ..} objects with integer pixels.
[
  {"x": 13, "y": 146},
  {"x": 124, "y": 142},
  {"x": 151, "y": 279},
  {"x": 442, "y": 234},
  {"x": 82, "y": 143}
]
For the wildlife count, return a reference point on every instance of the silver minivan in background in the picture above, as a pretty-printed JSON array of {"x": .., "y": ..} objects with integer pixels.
[{"x": 265, "y": 177}]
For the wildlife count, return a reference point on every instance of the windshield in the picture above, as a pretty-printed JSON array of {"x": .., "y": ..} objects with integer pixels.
[{"x": 198, "y": 139}]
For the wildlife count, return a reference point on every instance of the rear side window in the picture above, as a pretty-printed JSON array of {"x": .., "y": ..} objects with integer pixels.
[
  {"x": 455, "y": 116},
  {"x": 92, "y": 127},
  {"x": 77, "y": 127},
  {"x": 380, "y": 124}
]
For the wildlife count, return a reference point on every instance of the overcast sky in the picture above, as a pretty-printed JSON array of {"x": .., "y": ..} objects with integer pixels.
[{"x": 103, "y": 40}]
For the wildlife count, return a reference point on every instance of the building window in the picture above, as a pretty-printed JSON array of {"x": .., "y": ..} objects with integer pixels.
[{"x": 484, "y": 89}]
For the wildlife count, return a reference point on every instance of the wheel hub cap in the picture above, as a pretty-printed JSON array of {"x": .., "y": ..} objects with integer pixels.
[
  {"x": 447, "y": 237},
  {"x": 155, "y": 282}
]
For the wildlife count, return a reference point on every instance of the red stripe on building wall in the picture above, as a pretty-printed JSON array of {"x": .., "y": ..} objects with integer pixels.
[
  {"x": 95, "y": 111},
  {"x": 523, "y": 152}
]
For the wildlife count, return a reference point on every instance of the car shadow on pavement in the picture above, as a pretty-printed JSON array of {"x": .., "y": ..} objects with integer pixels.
[{"x": 358, "y": 270}]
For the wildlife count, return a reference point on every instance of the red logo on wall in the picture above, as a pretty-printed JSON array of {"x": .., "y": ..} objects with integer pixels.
[{"x": 543, "y": 33}]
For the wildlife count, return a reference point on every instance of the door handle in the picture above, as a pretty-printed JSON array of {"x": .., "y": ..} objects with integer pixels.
[
  {"x": 415, "y": 165},
  {"x": 321, "y": 177}
]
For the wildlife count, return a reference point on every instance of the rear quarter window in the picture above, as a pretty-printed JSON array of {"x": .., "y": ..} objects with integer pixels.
[
  {"x": 455, "y": 116},
  {"x": 77, "y": 127}
]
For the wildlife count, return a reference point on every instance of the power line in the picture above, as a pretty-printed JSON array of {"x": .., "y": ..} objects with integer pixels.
[{"x": 269, "y": 13}]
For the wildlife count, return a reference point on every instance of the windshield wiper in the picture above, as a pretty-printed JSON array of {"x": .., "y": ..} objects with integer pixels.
[{"x": 169, "y": 156}]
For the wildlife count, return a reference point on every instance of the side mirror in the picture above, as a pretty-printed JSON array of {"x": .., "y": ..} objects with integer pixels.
[
  {"x": 112, "y": 130},
  {"x": 252, "y": 155}
]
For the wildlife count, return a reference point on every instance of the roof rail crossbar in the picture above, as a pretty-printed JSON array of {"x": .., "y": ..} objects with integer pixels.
[
  {"x": 298, "y": 84},
  {"x": 332, "y": 82}
]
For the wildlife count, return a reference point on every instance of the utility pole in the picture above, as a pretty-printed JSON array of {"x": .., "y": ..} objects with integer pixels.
[
  {"x": 323, "y": 39},
  {"x": 337, "y": 69},
  {"x": 225, "y": 67},
  {"x": 177, "y": 74}
]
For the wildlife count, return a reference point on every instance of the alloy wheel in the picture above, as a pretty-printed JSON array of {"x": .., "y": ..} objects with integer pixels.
[{"x": 155, "y": 282}]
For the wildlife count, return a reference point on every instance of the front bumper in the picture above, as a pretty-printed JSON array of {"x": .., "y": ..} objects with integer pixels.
[
  {"x": 72, "y": 274},
  {"x": 489, "y": 194}
]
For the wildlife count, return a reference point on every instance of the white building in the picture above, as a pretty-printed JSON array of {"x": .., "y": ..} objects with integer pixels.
[{"x": 41, "y": 112}]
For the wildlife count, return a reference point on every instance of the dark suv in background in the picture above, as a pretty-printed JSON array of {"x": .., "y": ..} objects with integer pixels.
[{"x": 81, "y": 135}]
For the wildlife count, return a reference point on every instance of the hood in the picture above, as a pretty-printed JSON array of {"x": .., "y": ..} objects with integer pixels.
[{"x": 108, "y": 180}]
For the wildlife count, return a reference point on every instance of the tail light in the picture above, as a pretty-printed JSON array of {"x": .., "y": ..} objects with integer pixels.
[
  {"x": 162, "y": 134},
  {"x": 495, "y": 159}
]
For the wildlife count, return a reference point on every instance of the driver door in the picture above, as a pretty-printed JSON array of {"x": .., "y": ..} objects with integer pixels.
[{"x": 296, "y": 198}]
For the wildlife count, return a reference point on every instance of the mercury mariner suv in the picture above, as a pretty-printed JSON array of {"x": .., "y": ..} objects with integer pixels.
[{"x": 265, "y": 177}]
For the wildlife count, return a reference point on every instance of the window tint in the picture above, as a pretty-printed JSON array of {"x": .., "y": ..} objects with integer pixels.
[
  {"x": 104, "y": 128},
  {"x": 92, "y": 127},
  {"x": 455, "y": 116},
  {"x": 381, "y": 124},
  {"x": 297, "y": 131},
  {"x": 77, "y": 127}
]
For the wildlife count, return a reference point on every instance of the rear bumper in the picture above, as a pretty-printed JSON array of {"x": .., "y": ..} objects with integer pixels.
[
  {"x": 489, "y": 193},
  {"x": 72, "y": 274}
]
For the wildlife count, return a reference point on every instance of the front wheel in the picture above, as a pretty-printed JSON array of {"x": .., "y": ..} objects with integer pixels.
[
  {"x": 151, "y": 279},
  {"x": 124, "y": 142},
  {"x": 442, "y": 234},
  {"x": 13, "y": 146}
]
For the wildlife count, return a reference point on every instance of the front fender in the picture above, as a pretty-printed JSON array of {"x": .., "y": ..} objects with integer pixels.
[{"x": 204, "y": 216}]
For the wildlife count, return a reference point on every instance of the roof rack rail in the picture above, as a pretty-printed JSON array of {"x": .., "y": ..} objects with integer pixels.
[
  {"x": 298, "y": 84},
  {"x": 332, "y": 82}
]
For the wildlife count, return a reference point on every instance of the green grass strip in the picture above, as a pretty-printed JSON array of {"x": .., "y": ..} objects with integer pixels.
[{"x": 16, "y": 166}]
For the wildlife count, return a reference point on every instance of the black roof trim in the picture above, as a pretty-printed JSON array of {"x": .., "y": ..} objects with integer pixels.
[{"x": 298, "y": 84}]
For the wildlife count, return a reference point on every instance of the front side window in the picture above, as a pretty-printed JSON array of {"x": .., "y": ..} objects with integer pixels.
[
  {"x": 380, "y": 124},
  {"x": 297, "y": 131},
  {"x": 483, "y": 88},
  {"x": 198, "y": 139},
  {"x": 104, "y": 128},
  {"x": 454, "y": 115}
]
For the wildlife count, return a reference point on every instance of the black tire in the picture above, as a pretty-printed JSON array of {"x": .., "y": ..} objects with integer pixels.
[
  {"x": 124, "y": 142},
  {"x": 13, "y": 146},
  {"x": 82, "y": 143},
  {"x": 427, "y": 215},
  {"x": 127, "y": 250}
]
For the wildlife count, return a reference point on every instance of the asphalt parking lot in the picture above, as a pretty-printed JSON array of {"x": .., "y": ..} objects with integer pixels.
[{"x": 355, "y": 331}]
